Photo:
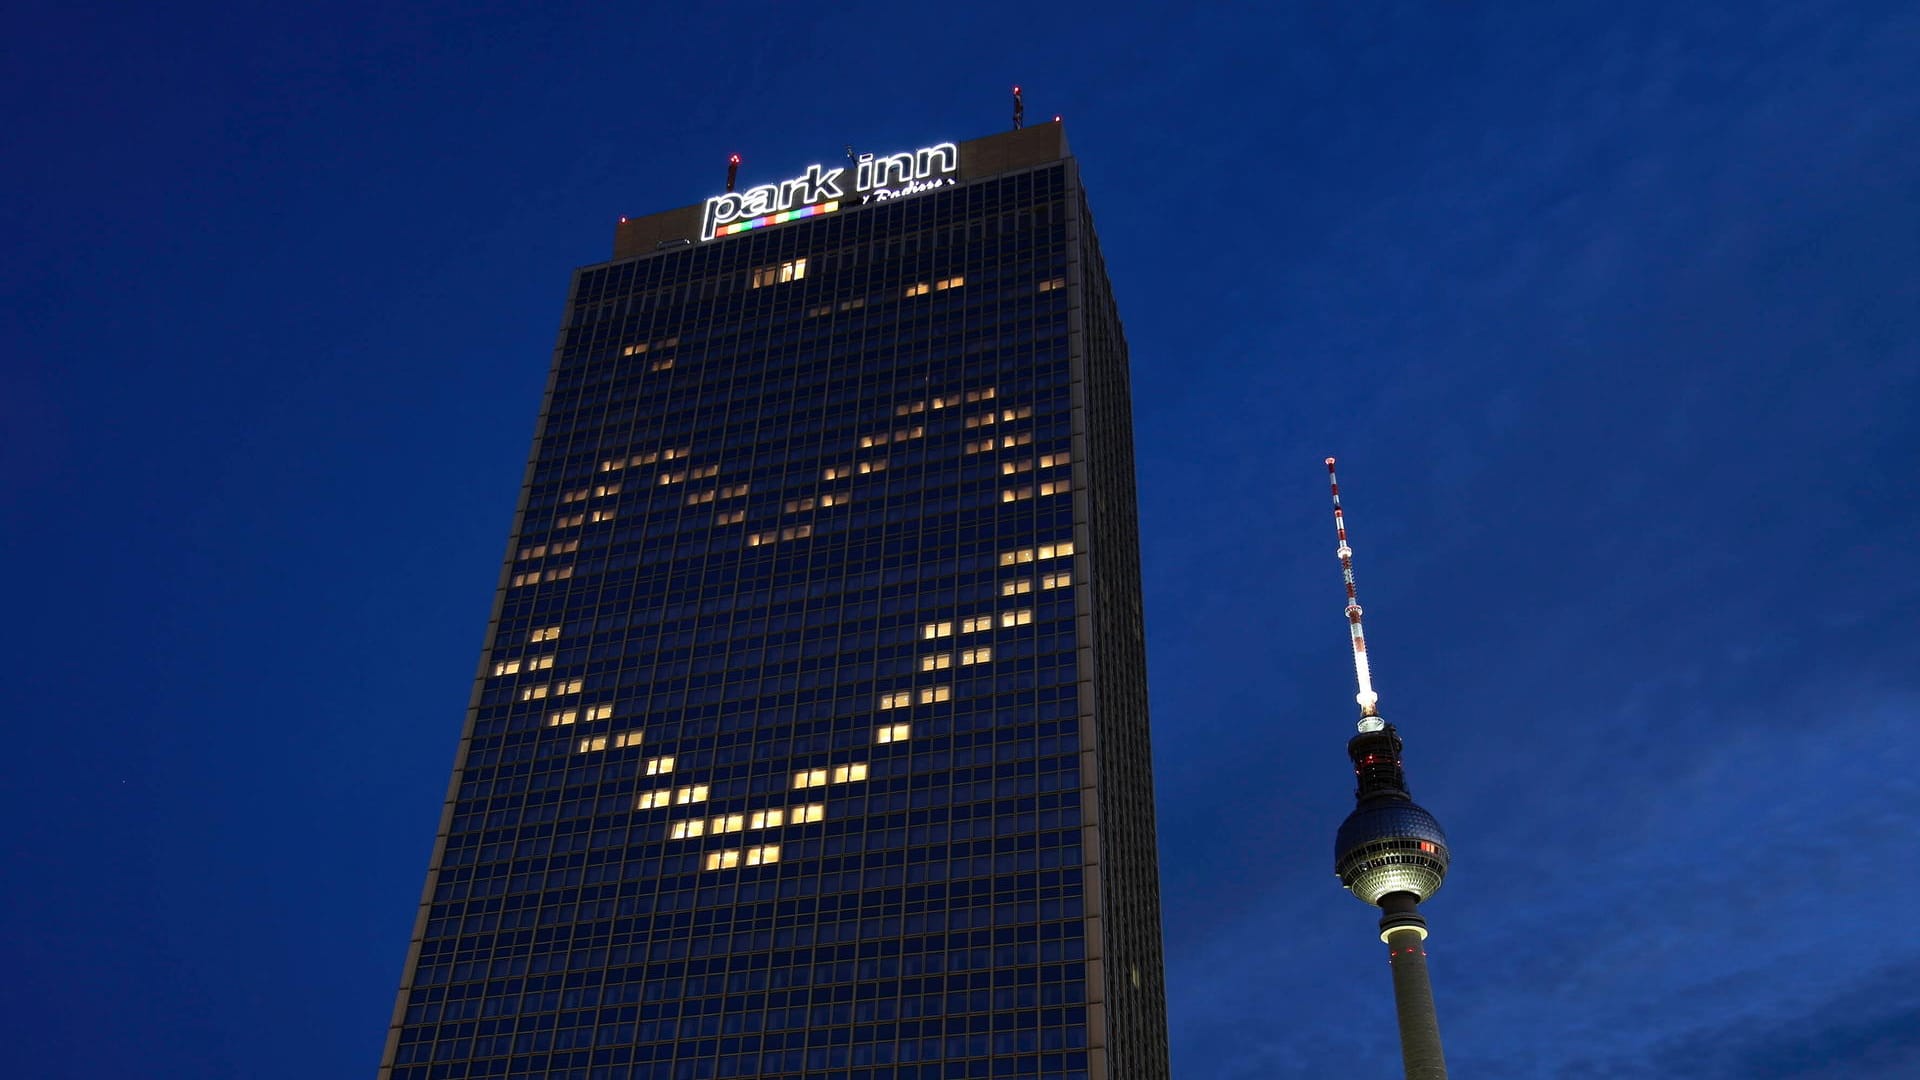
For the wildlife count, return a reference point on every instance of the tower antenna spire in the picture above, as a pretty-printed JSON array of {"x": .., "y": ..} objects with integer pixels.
[{"x": 1362, "y": 672}]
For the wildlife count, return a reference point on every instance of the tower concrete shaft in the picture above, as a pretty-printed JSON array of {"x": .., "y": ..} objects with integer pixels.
[{"x": 1405, "y": 933}]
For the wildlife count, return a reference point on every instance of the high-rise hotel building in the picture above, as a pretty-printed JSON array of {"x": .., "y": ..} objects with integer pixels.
[{"x": 810, "y": 738}]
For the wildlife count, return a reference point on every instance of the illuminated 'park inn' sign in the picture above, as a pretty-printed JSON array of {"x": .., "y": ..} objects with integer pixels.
[{"x": 819, "y": 190}]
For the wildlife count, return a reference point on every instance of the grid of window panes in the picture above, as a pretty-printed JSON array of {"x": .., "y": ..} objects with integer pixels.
[{"x": 774, "y": 766}]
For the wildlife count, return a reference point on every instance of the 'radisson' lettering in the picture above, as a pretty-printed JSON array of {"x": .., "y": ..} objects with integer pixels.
[{"x": 819, "y": 191}]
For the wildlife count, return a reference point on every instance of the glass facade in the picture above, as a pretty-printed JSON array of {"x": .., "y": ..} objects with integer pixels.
[{"x": 810, "y": 737}]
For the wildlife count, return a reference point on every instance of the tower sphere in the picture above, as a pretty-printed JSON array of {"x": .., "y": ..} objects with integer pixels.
[{"x": 1388, "y": 846}]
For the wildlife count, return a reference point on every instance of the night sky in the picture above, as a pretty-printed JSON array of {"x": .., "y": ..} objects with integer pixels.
[{"x": 1610, "y": 311}]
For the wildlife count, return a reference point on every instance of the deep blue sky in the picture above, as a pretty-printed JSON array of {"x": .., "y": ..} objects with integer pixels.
[{"x": 1611, "y": 311}]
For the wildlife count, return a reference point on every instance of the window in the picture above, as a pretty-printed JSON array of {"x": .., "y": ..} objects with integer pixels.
[
  {"x": 601, "y": 515},
  {"x": 766, "y": 853},
  {"x": 931, "y": 694},
  {"x": 694, "y": 794},
  {"x": 807, "y": 778},
  {"x": 833, "y": 498},
  {"x": 695, "y": 498},
  {"x": 835, "y": 472},
  {"x": 506, "y": 667},
  {"x": 1020, "y": 413},
  {"x": 808, "y": 814},
  {"x": 659, "y": 766},
  {"x": 953, "y": 282},
  {"x": 1055, "y": 487},
  {"x": 786, "y": 271},
  {"x": 1057, "y": 581},
  {"x": 665, "y": 363},
  {"x": 535, "y": 693},
  {"x": 535, "y": 577},
  {"x": 1008, "y": 468},
  {"x": 843, "y": 774},
  {"x": 981, "y": 655},
  {"x": 1048, "y": 461},
  {"x": 566, "y": 716},
  {"x": 1044, "y": 551},
  {"x": 672, "y": 477},
  {"x": 734, "y": 491},
  {"x": 935, "y": 630},
  {"x": 1051, "y": 284},
  {"x": 601, "y": 742},
  {"x": 1010, "y": 441},
  {"x": 920, "y": 289},
  {"x": 898, "y": 700},
  {"x": 545, "y": 634},
  {"x": 1015, "y": 588},
  {"x": 559, "y": 547},
  {"x": 629, "y": 738},
  {"x": 687, "y": 830},
  {"x": 874, "y": 466},
  {"x": 1016, "y": 618},
  {"x": 1016, "y": 494},
  {"x": 981, "y": 420},
  {"x": 593, "y": 742},
  {"x": 723, "y": 860},
  {"x": 729, "y": 517},
  {"x": 795, "y": 506},
  {"x": 635, "y": 350},
  {"x": 936, "y": 662},
  {"x": 768, "y": 819},
  {"x": 599, "y": 712},
  {"x": 570, "y": 522},
  {"x": 892, "y": 733},
  {"x": 704, "y": 471},
  {"x": 574, "y": 496},
  {"x": 606, "y": 489},
  {"x": 985, "y": 393},
  {"x": 976, "y": 624}
]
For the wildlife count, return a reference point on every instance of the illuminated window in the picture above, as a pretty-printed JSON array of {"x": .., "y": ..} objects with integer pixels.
[
  {"x": 935, "y": 630},
  {"x": 547, "y": 633},
  {"x": 727, "y": 823},
  {"x": 834, "y": 498},
  {"x": 1008, "y": 468},
  {"x": 602, "y": 515},
  {"x": 981, "y": 420},
  {"x": 843, "y": 774},
  {"x": 936, "y": 662},
  {"x": 1010, "y": 441},
  {"x": 898, "y": 700},
  {"x": 1016, "y": 494},
  {"x": 694, "y": 794},
  {"x": 808, "y": 814},
  {"x": 723, "y": 860},
  {"x": 1016, "y": 618},
  {"x": 765, "y": 853},
  {"x": 653, "y": 800},
  {"x": 1015, "y": 588},
  {"x": 1020, "y": 413},
  {"x": 874, "y": 466},
  {"x": 836, "y": 472},
  {"x": 687, "y": 830},
  {"x": 665, "y": 363},
  {"x": 931, "y": 694},
  {"x": 981, "y": 446},
  {"x": 768, "y": 819},
  {"x": 796, "y": 532},
  {"x": 569, "y": 522},
  {"x": 729, "y": 517},
  {"x": 659, "y": 766},
  {"x": 807, "y": 778},
  {"x": 892, "y": 733},
  {"x": 1052, "y": 283},
  {"x": 593, "y": 742},
  {"x": 606, "y": 489},
  {"x": 735, "y": 491},
  {"x": 574, "y": 496},
  {"x": 1056, "y": 581},
  {"x": 981, "y": 655},
  {"x": 1055, "y": 487},
  {"x": 506, "y": 667},
  {"x": 953, "y": 282},
  {"x": 911, "y": 407},
  {"x": 629, "y": 738},
  {"x": 1044, "y": 551},
  {"x": 672, "y": 478},
  {"x": 920, "y": 289},
  {"x": 786, "y": 271},
  {"x": 985, "y": 393},
  {"x": 599, "y": 712},
  {"x": 856, "y": 302},
  {"x": 535, "y": 577},
  {"x": 566, "y": 716},
  {"x": 976, "y": 624},
  {"x": 695, "y": 498},
  {"x": 634, "y": 350},
  {"x": 794, "y": 506},
  {"x": 1048, "y": 461},
  {"x": 535, "y": 693},
  {"x": 704, "y": 471}
]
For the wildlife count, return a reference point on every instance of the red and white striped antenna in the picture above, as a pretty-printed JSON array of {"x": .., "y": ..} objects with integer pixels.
[{"x": 1363, "y": 674}]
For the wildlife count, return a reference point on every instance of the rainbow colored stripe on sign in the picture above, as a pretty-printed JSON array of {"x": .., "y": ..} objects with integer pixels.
[{"x": 776, "y": 219}]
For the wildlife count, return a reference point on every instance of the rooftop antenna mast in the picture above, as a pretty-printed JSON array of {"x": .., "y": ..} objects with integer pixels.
[
  {"x": 733, "y": 170},
  {"x": 1362, "y": 672},
  {"x": 1019, "y": 110}
]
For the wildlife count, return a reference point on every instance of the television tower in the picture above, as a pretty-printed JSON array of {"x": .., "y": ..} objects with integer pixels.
[{"x": 1390, "y": 852}]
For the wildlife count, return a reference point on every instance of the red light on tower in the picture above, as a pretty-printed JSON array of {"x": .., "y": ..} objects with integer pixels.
[{"x": 733, "y": 169}]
